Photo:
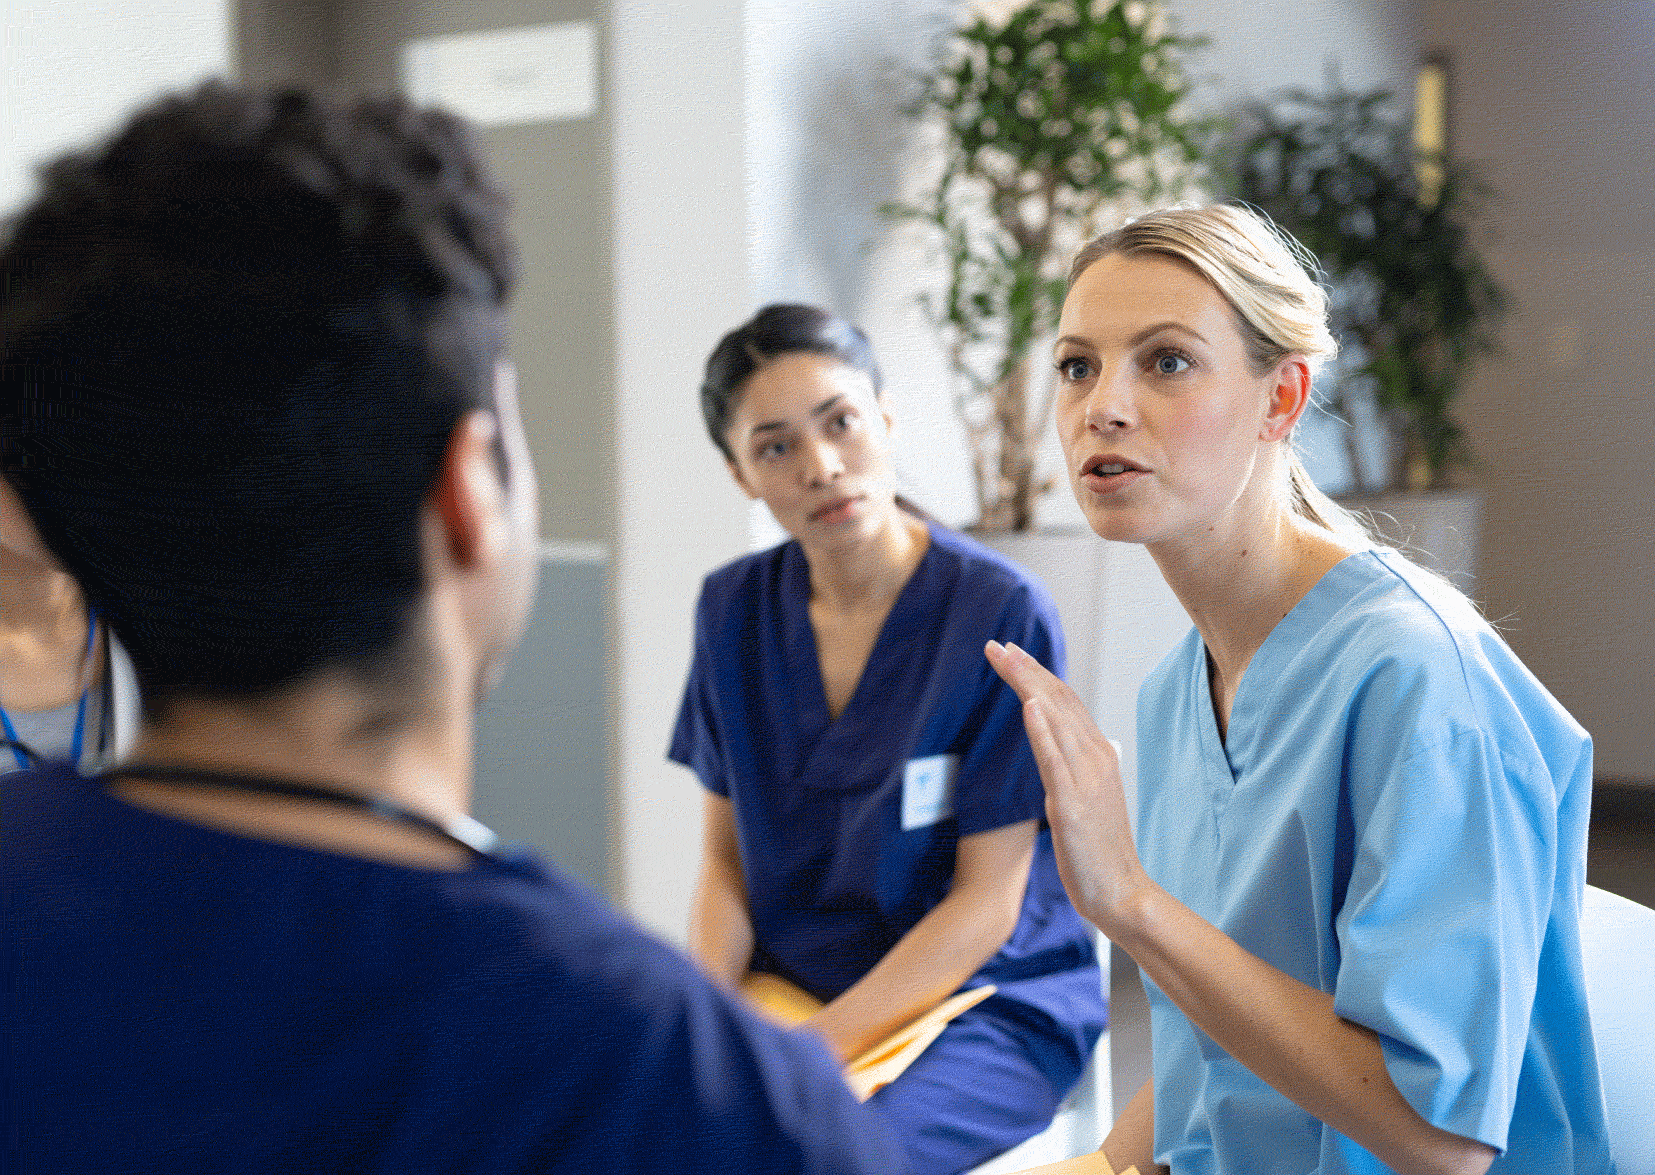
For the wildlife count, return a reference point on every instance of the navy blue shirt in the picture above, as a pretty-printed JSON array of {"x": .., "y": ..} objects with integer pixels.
[
  {"x": 848, "y": 826},
  {"x": 183, "y": 999}
]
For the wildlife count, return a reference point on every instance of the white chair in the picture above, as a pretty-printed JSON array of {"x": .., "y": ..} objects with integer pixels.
[{"x": 1617, "y": 941}]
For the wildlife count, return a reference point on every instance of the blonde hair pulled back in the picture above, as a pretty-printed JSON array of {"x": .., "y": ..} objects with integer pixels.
[{"x": 1269, "y": 280}]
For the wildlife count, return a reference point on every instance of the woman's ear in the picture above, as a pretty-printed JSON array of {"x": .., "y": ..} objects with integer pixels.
[
  {"x": 1289, "y": 397},
  {"x": 17, "y": 529}
]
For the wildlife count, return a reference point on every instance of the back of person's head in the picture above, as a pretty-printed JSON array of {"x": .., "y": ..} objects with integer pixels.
[
  {"x": 237, "y": 339},
  {"x": 1269, "y": 280},
  {"x": 779, "y": 329}
]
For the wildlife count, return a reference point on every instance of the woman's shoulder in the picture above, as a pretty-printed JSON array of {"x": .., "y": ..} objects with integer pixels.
[
  {"x": 742, "y": 579},
  {"x": 1380, "y": 603},
  {"x": 1399, "y": 635}
]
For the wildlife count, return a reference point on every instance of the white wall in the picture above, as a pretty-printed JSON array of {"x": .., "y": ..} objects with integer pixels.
[
  {"x": 71, "y": 71},
  {"x": 681, "y": 280}
]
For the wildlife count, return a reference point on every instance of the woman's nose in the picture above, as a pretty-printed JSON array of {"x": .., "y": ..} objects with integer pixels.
[
  {"x": 1110, "y": 407},
  {"x": 823, "y": 462}
]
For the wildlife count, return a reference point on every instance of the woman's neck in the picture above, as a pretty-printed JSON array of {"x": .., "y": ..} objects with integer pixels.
[
  {"x": 868, "y": 575},
  {"x": 1238, "y": 585},
  {"x": 43, "y": 633}
]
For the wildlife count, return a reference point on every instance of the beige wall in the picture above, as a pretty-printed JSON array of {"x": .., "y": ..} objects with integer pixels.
[
  {"x": 562, "y": 314},
  {"x": 1557, "y": 100}
]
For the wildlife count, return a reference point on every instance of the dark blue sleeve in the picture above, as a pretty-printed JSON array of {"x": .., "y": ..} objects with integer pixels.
[
  {"x": 695, "y": 739},
  {"x": 998, "y": 783},
  {"x": 612, "y": 1052}
]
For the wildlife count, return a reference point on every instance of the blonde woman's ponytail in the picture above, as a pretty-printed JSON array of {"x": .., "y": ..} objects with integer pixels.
[{"x": 1311, "y": 504}]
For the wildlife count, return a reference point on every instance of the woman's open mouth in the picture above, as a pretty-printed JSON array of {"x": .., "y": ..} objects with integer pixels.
[{"x": 1105, "y": 473}]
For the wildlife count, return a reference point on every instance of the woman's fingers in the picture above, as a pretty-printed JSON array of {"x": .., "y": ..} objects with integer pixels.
[
  {"x": 1026, "y": 676},
  {"x": 1048, "y": 750},
  {"x": 1030, "y": 679},
  {"x": 1081, "y": 770}
]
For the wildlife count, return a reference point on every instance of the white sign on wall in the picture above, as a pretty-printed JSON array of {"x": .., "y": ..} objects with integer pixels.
[{"x": 507, "y": 77}]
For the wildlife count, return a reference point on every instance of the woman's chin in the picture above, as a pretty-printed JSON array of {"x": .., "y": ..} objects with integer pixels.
[{"x": 1119, "y": 526}]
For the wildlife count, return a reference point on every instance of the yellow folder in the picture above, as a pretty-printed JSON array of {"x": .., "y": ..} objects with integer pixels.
[{"x": 882, "y": 1063}]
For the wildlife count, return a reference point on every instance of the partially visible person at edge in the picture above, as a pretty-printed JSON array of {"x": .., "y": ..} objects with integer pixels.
[
  {"x": 1361, "y": 843},
  {"x": 256, "y": 403},
  {"x": 67, "y": 690},
  {"x": 873, "y": 817}
]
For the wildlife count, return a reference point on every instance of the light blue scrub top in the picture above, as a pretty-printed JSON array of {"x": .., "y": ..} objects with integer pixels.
[{"x": 1397, "y": 816}]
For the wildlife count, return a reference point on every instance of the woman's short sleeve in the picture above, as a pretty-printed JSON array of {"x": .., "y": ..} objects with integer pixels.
[
  {"x": 695, "y": 737},
  {"x": 998, "y": 781},
  {"x": 1452, "y": 877}
]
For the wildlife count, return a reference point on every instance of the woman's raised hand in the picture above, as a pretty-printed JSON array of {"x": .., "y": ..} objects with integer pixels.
[{"x": 1084, "y": 801}]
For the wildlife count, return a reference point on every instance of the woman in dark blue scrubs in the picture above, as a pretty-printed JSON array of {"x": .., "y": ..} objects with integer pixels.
[{"x": 874, "y": 827}]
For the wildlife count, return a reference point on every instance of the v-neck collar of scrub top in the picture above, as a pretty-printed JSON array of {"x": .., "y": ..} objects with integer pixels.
[
  {"x": 818, "y": 729},
  {"x": 1229, "y": 757}
]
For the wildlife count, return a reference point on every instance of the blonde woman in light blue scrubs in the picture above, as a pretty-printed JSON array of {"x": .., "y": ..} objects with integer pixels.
[{"x": 1356, "y": 883}]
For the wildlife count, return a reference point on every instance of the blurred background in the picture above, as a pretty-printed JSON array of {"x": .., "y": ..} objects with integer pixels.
[{"x": 677, "y": 165}]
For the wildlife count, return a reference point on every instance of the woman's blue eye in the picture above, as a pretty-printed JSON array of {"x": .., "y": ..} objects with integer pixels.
[
  {"x": 1168, "y": 363},
  {"x": 1075, "y": 369}
]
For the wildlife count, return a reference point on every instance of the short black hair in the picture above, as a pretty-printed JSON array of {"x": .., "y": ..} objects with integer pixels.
[
  {"x": 782, "y": 328},
  {"x": 236, "y": 340}
]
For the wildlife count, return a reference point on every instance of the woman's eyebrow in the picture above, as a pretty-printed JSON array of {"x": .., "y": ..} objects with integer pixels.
[
  {"x": 1139, "y": 337},
  {"x": 1150, "y": 331},
  {"x": 772, "y": 425}
]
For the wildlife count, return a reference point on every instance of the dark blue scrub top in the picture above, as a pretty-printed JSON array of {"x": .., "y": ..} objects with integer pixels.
[
  {"x": 182, "y": 999},
  {"x": 848, "y": 826}
]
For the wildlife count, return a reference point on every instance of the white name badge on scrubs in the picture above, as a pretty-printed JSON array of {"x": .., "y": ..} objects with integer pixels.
[{"x": 928, "y": 790}]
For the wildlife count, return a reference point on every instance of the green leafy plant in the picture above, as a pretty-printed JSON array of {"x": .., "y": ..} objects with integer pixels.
[
  {"x": 1067, "y": 114},
  {"x": 1394, "y": 230}
]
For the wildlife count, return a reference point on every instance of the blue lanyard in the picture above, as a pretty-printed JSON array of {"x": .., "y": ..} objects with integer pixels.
[{"x": 18, "y": 750}]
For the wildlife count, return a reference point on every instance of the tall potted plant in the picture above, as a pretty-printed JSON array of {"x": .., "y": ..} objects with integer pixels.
[
  {"x": 1062, "y": 116},
  {"x": 1415, "y": 304},
  {"x": 1056, "y": 121}
]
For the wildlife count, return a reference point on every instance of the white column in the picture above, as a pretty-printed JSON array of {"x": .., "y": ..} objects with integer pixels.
[{"x": 681, "y": 280}]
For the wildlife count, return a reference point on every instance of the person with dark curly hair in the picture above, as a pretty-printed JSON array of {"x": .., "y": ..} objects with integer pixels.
[{"x": 255, "y": 401}]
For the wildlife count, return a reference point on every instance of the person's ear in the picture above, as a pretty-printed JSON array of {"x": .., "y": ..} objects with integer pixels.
[
  {"x": 1289, "y": 397},
  {"x": 17, "y": 529},
  {"x": 469, "y": 496},
  {"x": 740, "y": 478},
  {"x": 885, "y": 412}
]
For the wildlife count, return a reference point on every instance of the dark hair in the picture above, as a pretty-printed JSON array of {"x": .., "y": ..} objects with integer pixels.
[
  {"x": 236, "y": 340},
  {"x": 779, "y": 329}
]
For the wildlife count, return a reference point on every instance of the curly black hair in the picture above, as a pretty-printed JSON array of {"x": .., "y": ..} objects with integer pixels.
[{"x": 234, "y": 342}]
